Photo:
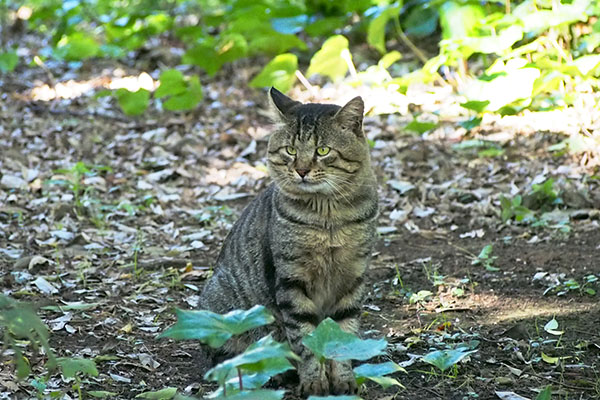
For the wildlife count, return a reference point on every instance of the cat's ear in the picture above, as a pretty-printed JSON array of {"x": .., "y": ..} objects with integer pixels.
[
  {"x": 280, "y": 103},
  {"x": 351, "y": 115}
]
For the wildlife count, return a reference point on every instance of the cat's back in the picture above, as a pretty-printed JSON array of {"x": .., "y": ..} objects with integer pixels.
[{"x": 245, "y": 264}]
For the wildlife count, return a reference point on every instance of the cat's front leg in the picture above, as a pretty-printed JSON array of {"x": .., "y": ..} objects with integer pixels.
[{"x": 300, "y": 317}]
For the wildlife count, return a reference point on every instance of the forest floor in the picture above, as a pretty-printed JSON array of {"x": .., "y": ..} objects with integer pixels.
[{"x": 119, "y": 220}]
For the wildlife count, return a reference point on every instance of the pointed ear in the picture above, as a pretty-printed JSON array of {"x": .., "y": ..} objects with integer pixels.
[
  {"x": 280, "y": 103},
  {"x": 351, "y": 115}
]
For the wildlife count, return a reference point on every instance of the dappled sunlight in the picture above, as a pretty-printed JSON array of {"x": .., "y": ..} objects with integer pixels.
[{"x": 72, "y": 89}]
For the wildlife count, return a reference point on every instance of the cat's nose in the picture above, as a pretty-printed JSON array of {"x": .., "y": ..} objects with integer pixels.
[{"x": 302, "y": 172}]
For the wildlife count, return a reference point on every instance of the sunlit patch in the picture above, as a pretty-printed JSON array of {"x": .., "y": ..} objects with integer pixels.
[
  {"x": 224, "y": 177},
  {"x": 24, "y": 12},
  {"x": 72, "y": 89}
]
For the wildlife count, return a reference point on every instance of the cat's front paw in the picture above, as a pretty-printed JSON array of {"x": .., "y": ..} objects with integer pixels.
[
  {"x": 341, "y": 378},
  {"x": 313, "y": 379}
]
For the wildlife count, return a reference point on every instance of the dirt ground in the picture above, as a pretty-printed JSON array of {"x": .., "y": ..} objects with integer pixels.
[{"x": 147, "y": 231}]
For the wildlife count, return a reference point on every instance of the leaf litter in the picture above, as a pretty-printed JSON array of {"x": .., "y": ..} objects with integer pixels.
[{"x": 112, "y": 248}]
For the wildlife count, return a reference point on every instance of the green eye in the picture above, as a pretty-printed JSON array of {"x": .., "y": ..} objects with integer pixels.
[
  {"x": 322, "y": 151},
  {"x": 291, "y": 150}
]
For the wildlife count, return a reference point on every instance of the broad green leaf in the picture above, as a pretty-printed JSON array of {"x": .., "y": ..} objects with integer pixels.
[
  {"x": 77, "y": 46},
  {"x": 163, "y": 394},
  {"x": 388, "y": 59},
  {"x": 376, "y": 30},
  {"x": 460, "y": 20},
  {"x": 486, "y": 252},
  {"x": 329, "y": 341},
  {"x": 187, "y": 99},
  {"x": 421, "y": 21},
  {"x": 325, "y": 26},
  {"x": 488, "y": 44},
  {"x": 102, "y": 394},
  {"x": 545, "y": 394},
  {"x": 172, "y": 82},
  {"x": 133, "y": 103},
  {"x": 329, "y": 60},
  {"x": 420, "y": 127},
  {"x": 280, "y": 72},
  {"x": 215, "y": 329},
  {"x": 23, "y": 368},
  {"x": 262, "y": 394},
  {"x": 444, "y": 359},
  {"x": 8, "y": 61},
  {"x": 263, "y": 355},
  {"x": 552, "y": 327},
  {"x": 71, "y": 366},
  {"x": 477, "y": 106},
  {"x": 471, "y": 123},
  {"x": 205, "y": 56},
  {"x": 549, "y": 359},
  {"x": 377, "y": 372},
  {"x": 272, "y": 42}
]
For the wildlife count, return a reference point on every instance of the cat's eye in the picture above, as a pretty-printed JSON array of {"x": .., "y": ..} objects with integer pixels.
[
  {"x": 323, "y": 151},
  {"x": 291, "y": 151}
]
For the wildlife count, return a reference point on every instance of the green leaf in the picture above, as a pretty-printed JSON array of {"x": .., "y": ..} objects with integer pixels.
[
  {"x": 444, "y": 359},
  {"x": 377, "y": 372},
  {"x": 325, "y": 26},
  {"x": 329, "y": 341},
  {"x": 23, "y": 368},
  {"x": 262, "y": 394},
  {"x": 102, "y": 394},
  {"x": 77, "y": 46},
  {"x": 477, "y": 106},
  {"x": 263, "y": 355},
  {"x": 215, "y": 329},
  {"x": 471, "y": 123},
  {"x": 8, "y": 61},
  {"x": 188, "y": 99},
  {"x": 421, "y": 21},
  {"x": 280, "y": 72},
  {"x": 172, "y": 82},
  {"x": 133, "y": 103},
  {"x": 376, "y": 30},
  {"x": 460, "y": 20},
  {"x": 163, "y": 394},
  {"x": 420, "y": 127},
  {"x": 71, "y": 366},
  {"x": 552, "y": 326},
  {"x": 545, "y": 394},
  {"x": 329, "y": 60}
]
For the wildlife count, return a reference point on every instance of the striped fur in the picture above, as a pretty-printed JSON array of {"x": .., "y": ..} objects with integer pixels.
[{"x": 302, "y": 246}]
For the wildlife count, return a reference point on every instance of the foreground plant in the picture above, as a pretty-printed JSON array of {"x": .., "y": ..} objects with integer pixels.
[{"x": 243, "y": 376}]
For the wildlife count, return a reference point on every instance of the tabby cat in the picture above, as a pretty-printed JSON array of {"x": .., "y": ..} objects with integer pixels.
[{"x": 302, "y": 246}]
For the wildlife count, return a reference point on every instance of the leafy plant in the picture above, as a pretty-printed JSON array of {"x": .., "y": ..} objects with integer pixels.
[
  {"x": 513, "y": 208},
  {"x": 444, "y": 359},
  {"x": 486, "y": 258}
]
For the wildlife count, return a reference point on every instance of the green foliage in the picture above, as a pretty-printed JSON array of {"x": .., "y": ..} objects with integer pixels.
[
  {"x": 444, "y": 359},
  {"x": 545, "y": 394},
  {"x": 163, "y": 394},
  {"x": 329, "y": 341},
  {"x": 215, "y": 329},
  {"x": 513, "y": 208},
  {"x": 376, "y": 30},
  {"x": 420, "y": 127},
  {"x": 377, "y": 373},
  {"x": 19, "y": 321},
  {"x": 72, "y": 366},
  {"x": 181, "y": 93},
  {"x": 486, "y": 258},
  {"x": 280, "y": 72},
  {"x": 8, "y": 61},
  {"x": 332, "y": 59},
  {"x": 265, "y": 356},
  {"x": 133, "y": 103}
]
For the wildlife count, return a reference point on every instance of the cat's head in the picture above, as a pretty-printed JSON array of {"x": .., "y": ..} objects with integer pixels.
[{"x": 317, "y": 148}]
